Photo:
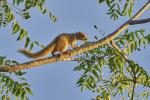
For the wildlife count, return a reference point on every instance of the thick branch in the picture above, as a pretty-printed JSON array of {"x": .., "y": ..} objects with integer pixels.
[
  {"x": 96, "y": 44},
  {"x": 134, "y": 22}
]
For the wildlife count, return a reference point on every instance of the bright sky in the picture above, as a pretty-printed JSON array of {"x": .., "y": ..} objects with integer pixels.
[{"x": 56, "y": 81}]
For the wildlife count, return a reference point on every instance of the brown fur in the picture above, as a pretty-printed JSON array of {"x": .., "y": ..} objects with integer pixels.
[{"x": 60, "y": 44}]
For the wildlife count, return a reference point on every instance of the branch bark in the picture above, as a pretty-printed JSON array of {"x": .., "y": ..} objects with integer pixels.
[
  {"x": 105, "y": 40},
  {"x": 119, "y": 50},
  {"x": 134, "y": 22}
]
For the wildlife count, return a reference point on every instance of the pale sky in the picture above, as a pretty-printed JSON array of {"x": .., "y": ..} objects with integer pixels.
[{"x": 57, "y": 81}]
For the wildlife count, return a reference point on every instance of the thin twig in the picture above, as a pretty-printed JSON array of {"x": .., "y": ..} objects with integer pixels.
[{"x": 133, "y": 90}]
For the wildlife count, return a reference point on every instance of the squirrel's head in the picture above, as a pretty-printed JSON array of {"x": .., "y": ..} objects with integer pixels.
[{"x": 81, "y": 36}]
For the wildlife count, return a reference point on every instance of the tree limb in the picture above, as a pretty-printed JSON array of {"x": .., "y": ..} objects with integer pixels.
[
  {"x": 119, "y": 50},
  {"x": 105, "y": 40},
  {"x": 134, "y": 22}
]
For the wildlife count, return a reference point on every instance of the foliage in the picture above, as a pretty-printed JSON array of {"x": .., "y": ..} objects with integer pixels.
[
  {"x": 10, "y": 9},
  {"x": 107, "y": 72},
  {"x": 13, "y": 84},
  {"x": 115, "y": 7}
]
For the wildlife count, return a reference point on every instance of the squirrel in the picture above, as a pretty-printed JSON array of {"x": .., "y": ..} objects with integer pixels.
[{"x": 59, "y": 44}]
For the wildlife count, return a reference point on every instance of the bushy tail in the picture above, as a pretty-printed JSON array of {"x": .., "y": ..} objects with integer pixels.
[{"x": 39, "y": 54}]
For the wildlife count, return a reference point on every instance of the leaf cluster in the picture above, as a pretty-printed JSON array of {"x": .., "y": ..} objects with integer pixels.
[
  {"x": 13, "y": 84},
  {"x": 120, "y": 74},
  {"x": 118, "y": 8},
  {"x": 10, "y": 9}
]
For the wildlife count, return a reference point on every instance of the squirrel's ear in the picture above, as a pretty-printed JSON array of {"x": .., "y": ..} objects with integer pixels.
[{"x": 78, "y": 32}]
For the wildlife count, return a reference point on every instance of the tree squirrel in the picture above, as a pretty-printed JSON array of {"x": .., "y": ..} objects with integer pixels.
[{"x": 60, "y": 43}]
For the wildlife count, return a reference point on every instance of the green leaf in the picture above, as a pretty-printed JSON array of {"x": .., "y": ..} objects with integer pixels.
[
  {"x": 15, "y": 27},
  {"x": 3, "y": 97},
  {"x": 25, "y": 84},
  {"x": 2, "y": 59},
  {"x": 18, "y": 2},
  {"x": 125, "y": 9},
  {"x": 130, "y": 10},
  {"x": 112, "y": 7},
  {"x": 16, "y": 87},
  {"x": 10, "y": 17},
  {"x": 14, "y": 62},
  {"x": 82, "y": 88},
  {"x": 40, "y": 7},
  {"x": 28, "y": 90},
  {"x": 32, "y": 45},
  {"x": 95, "y": 74},
  {"x": 132, "y": 36},
  {"x": 20, "y": 73},
  {"x": 44, "y": 11},
  {"x": 23, "y": 33},
  {"x": 101, "y": 1},
  {"x": 80, "y": 81},
  {"x": 52, "y": 17},
  {"x": 145, "y": 94},
  {"x": 18, "y": 92},
  {"x": 126, "y": 31},
  {"x": 26, "y": 15},
  {"x": 42, "y": 46},
  {"x": 14, "y": 2},
  {"x": 1, "y": 19},
  {"x": 27, "y": 42},
  {"x": 11, "y": 85},
  {"x": 37, "y": 43},
  {"x": 7, "y": 62},
  {"x": 22, "y": 79},
  {"x": 23, "y": 95},
  {"x": 142, "y": 32},
  {"x": 34, "y": 3},
  {"x": 118, "y": 12},
  {"x": 137, "y": 34},
  {"x": 27, "y": 4},
  {"x": 108, "y": 2}
]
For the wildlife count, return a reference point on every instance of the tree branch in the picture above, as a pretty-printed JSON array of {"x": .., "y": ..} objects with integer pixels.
[
  {"x": 133, "y": 22},
  {"x": 105, "y": 40},
  {"x": 119, "y": 50}
]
